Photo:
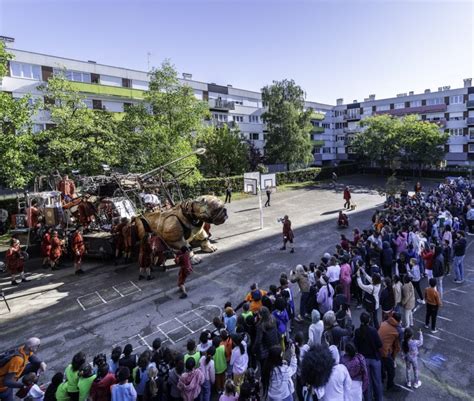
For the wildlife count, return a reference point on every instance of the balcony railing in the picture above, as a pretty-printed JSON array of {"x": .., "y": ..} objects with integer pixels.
[
  {"x": 441, "y": 122},
  {"x": 220, "y": 104},
  {"x": 435, "y": 108}
]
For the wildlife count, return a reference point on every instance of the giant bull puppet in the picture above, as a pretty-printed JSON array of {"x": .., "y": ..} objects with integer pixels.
[{"x": 183, "y": 225}]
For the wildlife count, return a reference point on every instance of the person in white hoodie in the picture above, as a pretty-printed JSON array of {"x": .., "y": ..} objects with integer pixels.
[
  {"x": 329, "y": 380},
  {"x": 277, "y": 375},
  {"x": 316, "y": 328}
]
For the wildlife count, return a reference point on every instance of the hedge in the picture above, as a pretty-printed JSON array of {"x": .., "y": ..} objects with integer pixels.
[{"x": 217, "y": 186}]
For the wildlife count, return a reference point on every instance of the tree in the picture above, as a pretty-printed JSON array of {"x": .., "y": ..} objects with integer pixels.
[
  {"x": 386, "y": 140},
  {"x": 81, "y": 138},
  {"x": 288, "y": 124},
  {"x": 422, "y": 142},
  {"x": 379, "y": 141},
  {"x": 254, "y": 156},
  {"x": 17, "y": 147},
  {"x": 226, "y": 154},
  {"x": 166, "y": 128}
]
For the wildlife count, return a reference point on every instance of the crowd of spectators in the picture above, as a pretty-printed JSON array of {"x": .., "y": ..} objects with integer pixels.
[{"x": 295, "y": 339}]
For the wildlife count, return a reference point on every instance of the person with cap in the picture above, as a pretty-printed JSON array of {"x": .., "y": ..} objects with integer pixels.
[
  {"x": 79, "y": 249},
  {"x": 288, "y": 235},
  {"x": 22, "y": 361},
  {"x": 15, "y": 261}
]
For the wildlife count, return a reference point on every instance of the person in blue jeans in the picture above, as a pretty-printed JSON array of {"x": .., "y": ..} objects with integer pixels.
[
  {"x": 459, "y": 250},
  {"x": 368, "y": 343}
]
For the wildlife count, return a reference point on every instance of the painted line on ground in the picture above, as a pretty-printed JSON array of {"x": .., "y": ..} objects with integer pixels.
[
  {"x": 450, "y": 303},
  {"x": 458, "y": 290},
  {"x": 102, "y": 299},
  {"x": 469, "y": 270},
  {"x": 115, "y": 289},
  {"x": 447, "y": 332},
  {"x": 80, "y": 304},
  {"x": 404, "y": 388},
  {"x": 431, "y": 335},
  {"x": 146, "y": 343},
  {"x": 136, "y": 286},
  {"x": 444, "y": 318}
]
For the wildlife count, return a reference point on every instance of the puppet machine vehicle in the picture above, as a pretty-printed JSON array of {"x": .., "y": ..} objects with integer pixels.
[{"x": 105, "y": 199}]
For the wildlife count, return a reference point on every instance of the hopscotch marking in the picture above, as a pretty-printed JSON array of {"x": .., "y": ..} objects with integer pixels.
[
  {"x": 80, "y": 300},
  {"x": 161, "y": 330}
]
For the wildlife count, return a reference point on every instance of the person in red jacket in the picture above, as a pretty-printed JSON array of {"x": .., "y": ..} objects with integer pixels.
[
  {"x": 101, "y": 387},
  {"x": 56, "y": 250},
  {"x": 347, "y": 198},
  {"x": 288, "y": 235},
  {"x": 79, "y": 249},
  {"x": 15, "y": 261},
  {"x": 46, "y": 247},
  {"x": 183, "y": 260},
  {"x": 145, "y": 257}
]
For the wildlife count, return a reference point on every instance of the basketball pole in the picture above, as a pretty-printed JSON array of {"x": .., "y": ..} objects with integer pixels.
[{"x": 259, "y": 193}]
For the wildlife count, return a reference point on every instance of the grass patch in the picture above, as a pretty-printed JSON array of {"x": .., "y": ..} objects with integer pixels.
[{"x": 296, "y": 185}]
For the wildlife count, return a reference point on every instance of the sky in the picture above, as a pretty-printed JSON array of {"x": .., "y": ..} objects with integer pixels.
[{"x": 332, "y": 49}]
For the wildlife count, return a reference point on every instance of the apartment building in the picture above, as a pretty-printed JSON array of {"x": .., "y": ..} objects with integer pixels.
[
  {"x": 451, "y": 109},
  {"x": 115, "y": 88}
]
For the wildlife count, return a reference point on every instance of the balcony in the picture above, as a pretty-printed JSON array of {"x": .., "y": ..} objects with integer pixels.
[
  {"x": 355, "y": 117},
  {"x": 470, "y": 104},
  {"x": 440, "y": 123},
  {"x": 220, "y": 104},
  {"x": 351, "y": 130},
  {"x": 435, "y": 108},
  {"x": 317, "y": 116},
  {"x": 105, "y": 90},
  {"x": 470, "y": 121},
  {"x": 317, "y": 130}
]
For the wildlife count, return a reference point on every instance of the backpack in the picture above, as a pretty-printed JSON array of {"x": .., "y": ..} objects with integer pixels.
[
  {"x": 6, "y": 356},
  {"x": 368, "y": 300},
  {"x": 256, "y": 295}
]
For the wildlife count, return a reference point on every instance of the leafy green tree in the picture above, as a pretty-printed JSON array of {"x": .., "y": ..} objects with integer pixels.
[
  {"x": 17, "y": 146},
  {"x": 166, "y": 128},
  {"x": 254, "y": 157},
  {"x": 422, "y": 142},
  {"x": 288, "y": 124},
  {"x": 226, "y": 154},
  {"x": 81, "y": 138},
  {"x": 380, "y": 140}
]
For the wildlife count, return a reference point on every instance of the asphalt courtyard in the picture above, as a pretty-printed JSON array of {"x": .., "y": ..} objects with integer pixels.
[{"x": 109, "y": 306}]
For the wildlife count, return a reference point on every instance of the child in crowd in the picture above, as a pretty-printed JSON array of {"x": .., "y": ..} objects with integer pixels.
[
  {"x": 433, "y": 302},
  {"x": 192, "y": 352},
  {"x": 410, "y": 355},
  {"x": 230, "y": 392},
  {"x": 205, "y": 342},
  {"x": 56, "y": 380},
  {"x": 31, "y": 391}
]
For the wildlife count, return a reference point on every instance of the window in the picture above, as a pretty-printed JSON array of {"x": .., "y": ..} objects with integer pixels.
[
  {"x": 400, "y": 105},
  {"x": 126, "y": 83},
  {"x": 315, "y": 123},
  {"x": 316, "y": 150},
  {"x": 220, "y": 117},
  {"x": 456, "y": 99},
  {"x": 96, "y": 104},
  {"x": 95, "y": 78},
  {"x": 383, "y": 107},
  {"x": 471, "y": 148},
  {"x": 38, "y": 128},
  {"x": 238, "y": 119},
  {"x": 326, "y": 125},
  {"x": 436, "y": 100},
  {"x": 254, "y": 136},
  {"x": 415, "y": 103},
  {"x": 126, "y": 106},
  {"x": 368, "y": 110},
  {"x": 75, "y": 76},
  {"x": 253, "y": 119},
  {"x": 340, "y": 138},
  {"x": 456, "y": 131},
  {"x": 471, "y": 133},
  {"x": 326, "y": 150},
  {"x": 456, "y": 116},
  {"x": 23, "y": 70},
  {"x": 353, "y": 113}
]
